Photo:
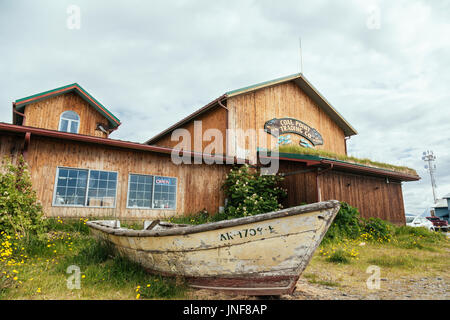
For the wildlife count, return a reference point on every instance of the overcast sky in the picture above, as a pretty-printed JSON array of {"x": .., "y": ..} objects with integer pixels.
[{"x": 384, "y": 65}]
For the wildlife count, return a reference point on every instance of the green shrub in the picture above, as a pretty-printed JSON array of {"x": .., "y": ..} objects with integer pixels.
[
  {"x": 251, "y": 193},
  {"x": 346, "y": 224},
  {"x": 379, "y": 230},
  {"x": 20, "y": 212}
]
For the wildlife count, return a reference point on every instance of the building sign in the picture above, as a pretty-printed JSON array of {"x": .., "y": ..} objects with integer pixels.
[
  {"x": 163, "y": 181},
  {"x": 278, "y": 127}
]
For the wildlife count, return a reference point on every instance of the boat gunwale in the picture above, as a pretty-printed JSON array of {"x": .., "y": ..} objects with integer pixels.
[{"x": 318, "y": 206}]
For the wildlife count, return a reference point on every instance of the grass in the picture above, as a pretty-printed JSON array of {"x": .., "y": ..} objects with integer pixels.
[
  {"x": 291, "y": 148},
  {"x": 313, "y": 278},
  {"x": 38, "y": 269},
  {"x": 198, "y": 218},
  {"x": 411, "y": 252}
]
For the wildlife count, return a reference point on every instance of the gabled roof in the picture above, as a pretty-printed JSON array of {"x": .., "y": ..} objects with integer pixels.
[
  {"x": 20, "y": 104},
  {"x": 297, "y": 78}
]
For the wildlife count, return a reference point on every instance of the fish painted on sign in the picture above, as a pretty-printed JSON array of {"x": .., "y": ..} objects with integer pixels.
[
  {"x": 284, "y": 140},
  {"x": 304, "y": 143}
]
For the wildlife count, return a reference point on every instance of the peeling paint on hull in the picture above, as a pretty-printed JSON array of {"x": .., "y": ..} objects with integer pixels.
[{"x": 258, "y": 255}]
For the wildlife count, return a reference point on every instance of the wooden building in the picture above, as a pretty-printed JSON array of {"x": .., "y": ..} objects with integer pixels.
[{"x": 77, "y": 170}]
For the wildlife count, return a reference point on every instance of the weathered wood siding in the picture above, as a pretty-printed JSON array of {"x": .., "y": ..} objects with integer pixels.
[
  {"x": 198, "y": 186},
  {"x": 46, "y": 114},
  {"x": 301, "y": 186},
  {"x": 373, "y": 196},
  {"x": 10, "y": 146},
  {"x": 213, "y": 119},
  {"x": 252, "y": 110}
]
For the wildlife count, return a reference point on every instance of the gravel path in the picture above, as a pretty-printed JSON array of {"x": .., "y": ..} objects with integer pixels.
[{"x": 436, "y": 288}]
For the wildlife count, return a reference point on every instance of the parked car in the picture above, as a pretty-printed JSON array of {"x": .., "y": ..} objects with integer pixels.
[
  {"x": 438, "y": 223},
  {"x": 419, "y": 222}
]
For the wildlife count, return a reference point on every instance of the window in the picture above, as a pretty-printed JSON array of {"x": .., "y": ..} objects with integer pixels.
[
  {"x": 140, "y": 188},
  {"x": 82, "y": 187},
  {"x": 71, "y": 187},
  {"x": 165, "y": 193},
  {"x": 102, "y": 189},
  {"x": 151, "y": 192},
  {"x": 69, "y": 122}
]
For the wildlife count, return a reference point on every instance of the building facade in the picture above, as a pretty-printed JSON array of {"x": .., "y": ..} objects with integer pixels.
[{"x": 78, "y": 170}]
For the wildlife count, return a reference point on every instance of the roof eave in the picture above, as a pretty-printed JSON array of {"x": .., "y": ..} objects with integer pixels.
[{"x": 113, "y": 142}]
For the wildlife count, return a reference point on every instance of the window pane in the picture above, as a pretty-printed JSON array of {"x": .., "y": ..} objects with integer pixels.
[
  {"x": 102, "y": 189},
  {"x": 64, "y": 125},
  {"x": 139, "y": 191},
  {"x": 71, "y": 115},
  {"x": 62, "y": 182},
  {"x": 165, "y": 193},
  {"x": 74, "y": 126},
  {"x": 94, "y": 174},
  {"x": 71, "y": 187}
]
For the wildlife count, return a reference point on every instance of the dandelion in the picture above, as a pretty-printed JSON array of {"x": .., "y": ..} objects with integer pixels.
[
  {"x": 137, "y": 296},
  {"x": 38, "y": 290}
]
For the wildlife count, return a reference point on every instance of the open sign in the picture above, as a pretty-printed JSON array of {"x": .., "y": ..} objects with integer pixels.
[{"x": 161, "y": 181}]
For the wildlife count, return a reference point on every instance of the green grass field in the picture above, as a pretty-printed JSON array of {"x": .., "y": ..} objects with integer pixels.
[{"x": 38, "y": 269}]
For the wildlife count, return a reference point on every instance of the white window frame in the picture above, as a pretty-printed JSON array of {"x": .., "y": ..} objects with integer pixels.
[
  {"x": 69, "y": 125},
  {"x": 153, "y": 192},
  {"x": 87, "y": 189}
]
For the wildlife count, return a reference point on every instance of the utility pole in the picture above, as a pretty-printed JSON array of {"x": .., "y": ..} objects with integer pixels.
[{"x": 429, "y": 157}]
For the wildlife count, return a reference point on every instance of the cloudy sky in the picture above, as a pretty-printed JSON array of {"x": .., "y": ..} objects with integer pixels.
[{"x": 384, "y": 65}]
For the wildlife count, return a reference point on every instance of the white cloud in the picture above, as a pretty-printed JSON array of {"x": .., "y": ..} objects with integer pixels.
[{"x": 153, "y": 63}]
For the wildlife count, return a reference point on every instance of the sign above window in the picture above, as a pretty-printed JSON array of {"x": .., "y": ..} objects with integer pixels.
[{"x": 278, "y": 127}]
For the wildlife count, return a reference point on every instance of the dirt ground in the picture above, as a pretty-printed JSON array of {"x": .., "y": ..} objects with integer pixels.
[{"x": 399, "y": 289}]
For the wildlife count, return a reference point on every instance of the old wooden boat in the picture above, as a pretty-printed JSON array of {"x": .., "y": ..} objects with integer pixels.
[{"x": 257, "y": 255}]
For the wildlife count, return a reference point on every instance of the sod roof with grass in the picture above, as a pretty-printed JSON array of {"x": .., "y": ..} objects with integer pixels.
[{"x": 293, "y": 151}]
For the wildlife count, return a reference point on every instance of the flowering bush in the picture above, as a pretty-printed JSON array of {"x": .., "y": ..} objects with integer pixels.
[
  {"x": 20, "y": 212},
  {"x": 377, "y": 229},
  {"x": 251, "y": 193}
]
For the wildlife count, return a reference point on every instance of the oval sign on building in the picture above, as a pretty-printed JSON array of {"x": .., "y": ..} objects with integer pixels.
[{"x": 278, "y": 127}]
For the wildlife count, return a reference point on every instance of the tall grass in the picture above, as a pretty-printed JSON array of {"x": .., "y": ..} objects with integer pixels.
[{"x": 291, "y": 148}]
